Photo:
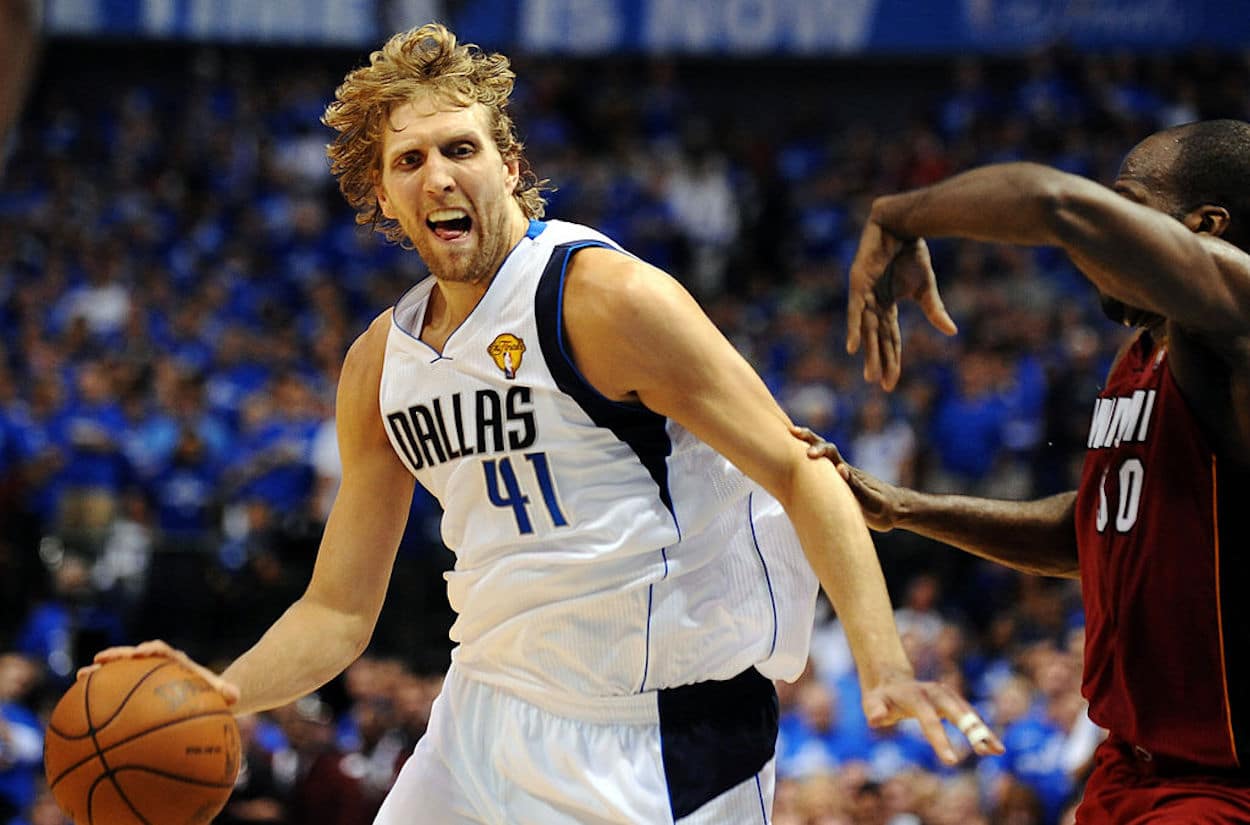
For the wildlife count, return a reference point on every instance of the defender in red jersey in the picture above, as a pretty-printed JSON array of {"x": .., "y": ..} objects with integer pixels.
[{"x": 1159, "y": 530}]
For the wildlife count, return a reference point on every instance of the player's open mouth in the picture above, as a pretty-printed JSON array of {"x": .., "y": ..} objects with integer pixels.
[{"x": 449, "y": 224}]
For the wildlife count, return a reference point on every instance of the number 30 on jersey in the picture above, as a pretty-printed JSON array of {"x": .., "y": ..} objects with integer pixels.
[{"x": 1131, "y": 474}]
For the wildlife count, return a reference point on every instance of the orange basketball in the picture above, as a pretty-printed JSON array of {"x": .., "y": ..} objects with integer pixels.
[{"x": 141, "y": 742}]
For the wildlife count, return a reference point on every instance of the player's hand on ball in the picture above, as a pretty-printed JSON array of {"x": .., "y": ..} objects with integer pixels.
[
  {"x": 929, "y": 703},
  {"x": 159, "y": 649}
]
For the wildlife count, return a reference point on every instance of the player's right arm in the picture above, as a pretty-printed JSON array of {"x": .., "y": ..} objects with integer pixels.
[
  {"x": 639, "y": 338},
  {"x": 1035, "y": 537},
  {"x": 330, "y": 625}
]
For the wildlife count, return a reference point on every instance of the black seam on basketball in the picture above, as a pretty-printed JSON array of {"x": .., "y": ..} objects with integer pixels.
[
  {"x": 86, "y": 712},
  {"x": 108, "y": 774},
  {"x": 86, "y": 693},
  {"x": 175, "y": 776},
  {"x": 108, "y": 771},
  {"x": 131, "y": 738},
  {"x": 91, "y": 798},
  {"x": 112, "y": 777},
  {"x": 131, "y": 692}
]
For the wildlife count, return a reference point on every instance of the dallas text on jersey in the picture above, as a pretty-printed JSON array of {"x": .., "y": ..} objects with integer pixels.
[{"x": 424, "y": 434}]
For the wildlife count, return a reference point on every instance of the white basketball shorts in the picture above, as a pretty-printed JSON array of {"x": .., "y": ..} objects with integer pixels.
[{"x": 488, "y": 758}]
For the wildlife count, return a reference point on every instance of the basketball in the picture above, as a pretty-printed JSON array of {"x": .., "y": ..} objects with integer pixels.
[{"x": 141, "y": 742}]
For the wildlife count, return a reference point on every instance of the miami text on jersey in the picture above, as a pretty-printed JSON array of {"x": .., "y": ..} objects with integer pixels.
[
  {"x": 1121, "y": 420},
  {"x": 448, "y": 428}
]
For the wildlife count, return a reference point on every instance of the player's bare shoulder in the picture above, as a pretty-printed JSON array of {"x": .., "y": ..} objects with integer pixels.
[
  {"x": 363, "y": 363},
  {"x": 620, "y": 288},
  {"x": 357, "y": 410},
  {"x": 601, "y": 273},
  {"x": 618, "y": 313}
]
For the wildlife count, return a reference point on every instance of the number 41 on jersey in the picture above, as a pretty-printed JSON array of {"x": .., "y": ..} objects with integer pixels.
[{"x": 513, "y": 496}]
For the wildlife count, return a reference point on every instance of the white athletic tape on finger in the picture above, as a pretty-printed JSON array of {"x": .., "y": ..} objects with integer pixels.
[
  {"x": 971, "y": 726},
  {"x": 979, "y": 734},
  {"x": 967, "y": 722}
]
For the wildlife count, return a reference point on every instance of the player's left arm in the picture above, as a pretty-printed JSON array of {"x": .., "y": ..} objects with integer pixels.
[{"x": 638, "y": 336}]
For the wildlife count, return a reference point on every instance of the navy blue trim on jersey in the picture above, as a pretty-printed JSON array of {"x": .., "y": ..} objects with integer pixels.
[
  {"x": 714, "y": 736},
  {"x": 1233, "y": 491},
  {"x": 643, "y": 430},
  {"x": 646, "y": 658},
  {"x": 414, "y": 334},
  {"x": 772, "y": 598},
  {"x": 646, "y": 644},
  {"x": 759, "y": 790}
]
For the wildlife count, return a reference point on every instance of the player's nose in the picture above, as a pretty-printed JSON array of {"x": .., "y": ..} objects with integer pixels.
[{"x": 439, "y": 177}]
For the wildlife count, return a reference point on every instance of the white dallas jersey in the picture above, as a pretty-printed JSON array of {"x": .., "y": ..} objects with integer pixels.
[{"x": 601, "y": 549}]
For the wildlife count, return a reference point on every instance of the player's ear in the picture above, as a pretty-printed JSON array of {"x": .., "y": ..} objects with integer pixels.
[
  {"x": 512, "y": 173},
  {"x": 379, "y": 192},
  {"x": 1208, "y": 219}
]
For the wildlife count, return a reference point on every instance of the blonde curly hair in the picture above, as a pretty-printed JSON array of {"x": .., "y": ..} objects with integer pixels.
[{"x": 426, "y": 59}]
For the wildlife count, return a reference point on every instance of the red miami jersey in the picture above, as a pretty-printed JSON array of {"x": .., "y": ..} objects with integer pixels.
[{"x": 1163, "y": 532}]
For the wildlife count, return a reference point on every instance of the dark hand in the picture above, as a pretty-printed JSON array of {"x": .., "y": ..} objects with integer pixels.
[
  {"x": 878, "y": 501},
  {"x": 929, "y": 703},
  {"x": 886, "y": 269}
]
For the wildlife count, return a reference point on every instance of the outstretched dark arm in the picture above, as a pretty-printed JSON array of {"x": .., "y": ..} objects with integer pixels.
[
  {"x": 1037, "y": 537},
  {"x": 1133, "y": 253}
]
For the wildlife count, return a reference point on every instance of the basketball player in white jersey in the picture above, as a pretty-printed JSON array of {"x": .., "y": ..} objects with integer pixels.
[{"x": 613, "y": 476}]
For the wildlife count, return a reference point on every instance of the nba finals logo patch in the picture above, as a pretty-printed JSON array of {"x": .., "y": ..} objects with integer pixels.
[{"x": 506, "y": 350}]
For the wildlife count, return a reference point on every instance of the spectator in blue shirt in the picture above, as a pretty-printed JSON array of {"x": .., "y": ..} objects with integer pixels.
[
  {"x": 273, "y": 464},
  {"x": 40, "y": 454},
  {"x": 91, "y": 428},
  {"x": 811, "y": 739},
  {"x": 185, "y": 494},
  {"x": 235, "y": 375},
  {"x": 21, "y": 735},
  {"x": 148, "y": 437},
  {"x": 968, "y": 424}
]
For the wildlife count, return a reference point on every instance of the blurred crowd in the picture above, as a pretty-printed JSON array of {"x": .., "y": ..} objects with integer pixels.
[{"x": 179, "y": 280}]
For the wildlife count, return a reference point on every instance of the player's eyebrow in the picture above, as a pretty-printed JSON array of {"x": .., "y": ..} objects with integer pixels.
[
  {"x": 401, "y": 147},
  {"x": 1128, "y": 189}
]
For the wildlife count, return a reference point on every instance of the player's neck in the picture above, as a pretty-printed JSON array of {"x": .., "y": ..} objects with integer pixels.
[
  {"x": 456, "y": 299},
  {"x": 449, "y": 304},
  {"x": 453, "y": 299}
]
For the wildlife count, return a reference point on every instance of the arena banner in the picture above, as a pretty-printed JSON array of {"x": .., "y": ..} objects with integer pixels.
[
  {"x": 347, "y": 23},
  {"x": 836, "y": 27},
  {"x": 697, "y": 27}
]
